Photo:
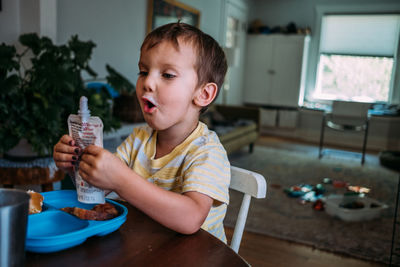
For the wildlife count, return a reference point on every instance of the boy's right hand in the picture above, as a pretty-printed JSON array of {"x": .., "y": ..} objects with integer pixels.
[{"x": 65, "y": 153}]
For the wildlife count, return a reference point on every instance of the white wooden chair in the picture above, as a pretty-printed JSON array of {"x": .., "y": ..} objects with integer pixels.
[{"x": 251, "y": 184}]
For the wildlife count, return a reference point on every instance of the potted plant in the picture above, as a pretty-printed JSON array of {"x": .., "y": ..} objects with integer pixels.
[{"x": 36, "y": 100}]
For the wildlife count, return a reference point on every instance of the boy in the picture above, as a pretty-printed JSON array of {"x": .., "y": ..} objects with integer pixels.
[{"x": 173, "y": 169}]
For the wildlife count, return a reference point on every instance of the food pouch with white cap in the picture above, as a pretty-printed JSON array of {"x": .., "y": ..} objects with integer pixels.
[{"x": 86, "y": 130}]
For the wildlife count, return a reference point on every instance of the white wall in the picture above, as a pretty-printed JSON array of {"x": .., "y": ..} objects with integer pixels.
[
  {"x": 118, "y": 28},
  {"x": 9, "y": 21},
  {"x": 19, "y": 16},
  {"x": 302, "y": 12},
  {"x": 29, "y": 12}
]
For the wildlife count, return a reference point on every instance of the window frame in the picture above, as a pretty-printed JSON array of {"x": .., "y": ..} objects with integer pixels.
[{"x": 313, "y": 59}]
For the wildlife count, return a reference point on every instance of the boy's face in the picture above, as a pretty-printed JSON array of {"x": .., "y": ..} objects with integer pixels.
[{"x": 166, "y": 86}]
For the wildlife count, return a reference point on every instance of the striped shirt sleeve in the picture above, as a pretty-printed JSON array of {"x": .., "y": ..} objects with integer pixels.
[
  {"x": 128, "y": 149},
  {"x": 208, "y": 172}
]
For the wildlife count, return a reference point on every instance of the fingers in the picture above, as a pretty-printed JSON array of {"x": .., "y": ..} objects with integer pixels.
[
  {"x": 88, "y": 172},
  {"x": 66, "y": 145},
  {"x": 88, "y": 159},
  {"x": 98, "y": 166},
  {"x": 84, "y": 170},
  {"x": 66, "y": 139},
  {"x": 66, "y": 166},
  {"x": 61, "y": 148},
  {"x": 92, "y": 149},
  {"x": 92, "y": 153},
  {"x": 65, "y": 153}
]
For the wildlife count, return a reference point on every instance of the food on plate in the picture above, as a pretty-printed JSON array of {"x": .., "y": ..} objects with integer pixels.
[
  {"x": 36, "y": 202},
  {"x": 100, "y": 212}
]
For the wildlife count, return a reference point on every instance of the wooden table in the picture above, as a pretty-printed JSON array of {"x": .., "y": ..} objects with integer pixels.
[{"x": 141, "y": 241}]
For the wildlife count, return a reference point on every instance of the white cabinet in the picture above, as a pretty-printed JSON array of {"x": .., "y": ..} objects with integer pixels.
[{"x": 274, "y": 70}]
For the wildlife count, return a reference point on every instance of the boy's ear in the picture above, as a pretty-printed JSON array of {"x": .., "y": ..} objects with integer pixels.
[{"x": 205, "y": 94}]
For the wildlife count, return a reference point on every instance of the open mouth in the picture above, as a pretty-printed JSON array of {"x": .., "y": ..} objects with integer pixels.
[{"x": 149, "y": 105}]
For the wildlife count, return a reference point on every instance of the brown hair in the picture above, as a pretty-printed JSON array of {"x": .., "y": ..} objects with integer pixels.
[{"x": 211, "y": 63}]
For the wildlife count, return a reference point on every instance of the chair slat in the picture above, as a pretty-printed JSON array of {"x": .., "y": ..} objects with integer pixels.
[
  {"x": 252, "y": 185},
  {"x": 248, "y": 182}
]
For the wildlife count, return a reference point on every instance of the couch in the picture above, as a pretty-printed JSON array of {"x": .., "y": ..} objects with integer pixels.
[{"x": 236, "y": 126}]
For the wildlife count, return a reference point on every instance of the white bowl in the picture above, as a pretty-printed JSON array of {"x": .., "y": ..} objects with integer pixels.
[{"x": 332, "y": 207}]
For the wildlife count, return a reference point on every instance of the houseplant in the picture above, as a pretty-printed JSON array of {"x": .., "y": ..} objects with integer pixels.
[{"x": 35, "y": 100}]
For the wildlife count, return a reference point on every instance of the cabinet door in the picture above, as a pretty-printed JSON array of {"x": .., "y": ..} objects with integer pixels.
[
  {"x": 287, "y": 63},
  {"x": 258, "y": 63}
]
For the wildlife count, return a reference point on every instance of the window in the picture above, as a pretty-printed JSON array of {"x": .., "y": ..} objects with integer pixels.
[{"x": 357, "y": 57}]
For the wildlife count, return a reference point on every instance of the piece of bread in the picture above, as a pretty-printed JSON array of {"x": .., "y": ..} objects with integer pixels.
[{"x": 35, "y": 203}]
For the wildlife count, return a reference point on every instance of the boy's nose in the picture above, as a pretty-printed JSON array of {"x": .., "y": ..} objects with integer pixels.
[{"x": 149, "y": 83}]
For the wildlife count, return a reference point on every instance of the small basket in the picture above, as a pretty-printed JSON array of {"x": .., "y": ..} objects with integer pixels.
[{"x": 371, "y": 210}]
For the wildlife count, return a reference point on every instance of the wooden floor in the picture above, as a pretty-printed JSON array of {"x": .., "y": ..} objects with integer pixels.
[
  {"x": 261, "y": 250},
  {"x": 265, "y": 251}
]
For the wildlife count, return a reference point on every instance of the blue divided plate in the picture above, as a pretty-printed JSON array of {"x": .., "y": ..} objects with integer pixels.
[{"x": 53, "y": 230}]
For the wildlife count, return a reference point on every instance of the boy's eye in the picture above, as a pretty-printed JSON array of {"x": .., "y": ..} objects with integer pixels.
[
  {"x": 168, "y": 76},
  {"x": 142, "y": 73}
]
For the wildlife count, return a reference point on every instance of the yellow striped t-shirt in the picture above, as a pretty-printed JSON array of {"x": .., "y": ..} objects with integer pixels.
[{"x": 198, "y": 164}]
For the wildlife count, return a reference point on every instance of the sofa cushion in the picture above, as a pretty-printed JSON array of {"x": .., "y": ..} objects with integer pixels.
[
  {"x": 236, "y": 126},
  {"x": 226, "y": 133},
  {"x": 240, "y": 141}
]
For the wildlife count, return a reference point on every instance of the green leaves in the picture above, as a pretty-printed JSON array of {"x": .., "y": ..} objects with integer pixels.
[
  {"x": 7, "y": 59},
  {"x": 82, "y": 51},
  {"x": 36, "y": 102},
  {"x": 32, "y": 41},
  {"x": 119, "y": 82}
]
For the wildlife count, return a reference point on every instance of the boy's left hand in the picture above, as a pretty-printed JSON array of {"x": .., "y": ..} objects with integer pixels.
[{"x": 100, "y": 168}]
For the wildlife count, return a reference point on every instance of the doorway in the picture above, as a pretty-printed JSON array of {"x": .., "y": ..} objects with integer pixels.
[{"x": 235, "y": 47}]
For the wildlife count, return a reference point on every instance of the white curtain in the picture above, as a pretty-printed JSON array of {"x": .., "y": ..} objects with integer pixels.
[{"x": 366, "y": 35}]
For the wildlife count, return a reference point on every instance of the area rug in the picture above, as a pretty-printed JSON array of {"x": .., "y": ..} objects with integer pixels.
[{"x": 288, "y": 218}]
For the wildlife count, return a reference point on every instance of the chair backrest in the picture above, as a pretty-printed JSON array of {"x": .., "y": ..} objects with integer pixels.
[
  {"x": 350, "y": 109},
  {"x": 251, "y": 184}
]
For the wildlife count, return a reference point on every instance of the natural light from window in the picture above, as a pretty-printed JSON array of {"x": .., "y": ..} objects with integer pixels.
[
  {"x": 356, "y": 59},
  {"x": 353, "y": 78}
]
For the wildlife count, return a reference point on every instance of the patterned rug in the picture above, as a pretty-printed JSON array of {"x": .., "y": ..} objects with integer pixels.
[{"x": 285, "y": 217}]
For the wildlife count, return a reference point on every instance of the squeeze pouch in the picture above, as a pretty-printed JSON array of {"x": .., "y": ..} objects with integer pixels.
[{"x": 86, "y": 130}]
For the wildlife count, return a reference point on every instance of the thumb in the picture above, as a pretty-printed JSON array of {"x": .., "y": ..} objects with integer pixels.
[{"x": 92, "y": 149}]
